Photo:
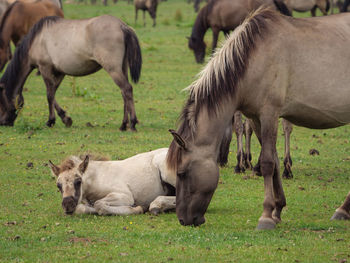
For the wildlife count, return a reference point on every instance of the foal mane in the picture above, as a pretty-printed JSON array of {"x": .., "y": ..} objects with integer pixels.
[
  {"x": 3, "y": 20},
  {"x": 21, "y": 54},
  {"x": 219, "y": 78}
]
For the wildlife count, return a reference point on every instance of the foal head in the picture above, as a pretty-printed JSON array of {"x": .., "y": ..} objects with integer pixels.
[
  {"x": 198, "y": 46},
  {"x": 69, "y": 182}
]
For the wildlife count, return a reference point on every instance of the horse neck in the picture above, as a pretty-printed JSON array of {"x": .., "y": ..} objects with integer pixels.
[
  {"x": 5, "y": 34},
  {"x": 201, "y": 24}
]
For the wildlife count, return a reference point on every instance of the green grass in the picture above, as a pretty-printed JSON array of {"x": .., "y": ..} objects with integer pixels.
[{"x": 33, "y": 227}]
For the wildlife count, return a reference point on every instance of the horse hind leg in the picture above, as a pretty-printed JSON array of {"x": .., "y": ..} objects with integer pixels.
[
  {"x": 247, "y": 132},
  {"x": 287, "y": 129},
  {"x": 117, "y": 204},
  {"x": 162, "y": 204},
  {"x": 238, "y": 127}
]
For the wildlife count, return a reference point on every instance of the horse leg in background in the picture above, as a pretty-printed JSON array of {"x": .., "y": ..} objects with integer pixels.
[
  {"x": 226, "y": 33},
  {"x": 238, "y": 127},
  {"x": 287, "y": 130},
  {"x": 216, "y": 32},
  {"x": 144, "y": 17},
  {"x": 323, "y": 5},
  {"x": 117, "y": 204},
  {"x": 313, "y": 11},
  {"x": 345, "y": 6},
  {"x": 52, "y": 81},
  {"x": 342, "y": 213},
  {"x": 162, "y": 204},
  {"x": 196, "y": 5},
  {"x": 247, "y": 132},
  {"x": 266, "y": 130},
  {"x": 136, "y": 11}
]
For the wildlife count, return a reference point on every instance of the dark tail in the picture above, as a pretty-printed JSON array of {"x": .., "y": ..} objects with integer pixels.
[
  {"x": 282, "y": 8},
  {"x": 132, "y": 53}
]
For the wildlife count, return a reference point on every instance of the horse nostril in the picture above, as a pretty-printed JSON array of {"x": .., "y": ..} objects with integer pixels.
[{"x": 181, "y": 222}]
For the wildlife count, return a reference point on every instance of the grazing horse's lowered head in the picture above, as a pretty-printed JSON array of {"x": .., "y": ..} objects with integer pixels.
[
  {"x": 69, "y": 182},
  {"x": 198, "y": 46}
]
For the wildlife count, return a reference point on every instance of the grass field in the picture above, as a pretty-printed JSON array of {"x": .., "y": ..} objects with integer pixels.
[{"x": 33, "y": 227}]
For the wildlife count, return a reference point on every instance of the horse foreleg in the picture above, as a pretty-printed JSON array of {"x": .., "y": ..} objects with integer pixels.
[
  {"x": 85, "y": 209},
  {"x": 342, "y": 213},
  {"x": 216, "y": 32},
  {"x": 287, "y": 130},
  {"x": 247, "y": 132},
  {"x": 238, "y": 127},
  {"x": 273, "y": 202},
  {"x": 313, "y": 11},
  {"x": 162, "y": 204},
  {"x": 117, "y": 204}
]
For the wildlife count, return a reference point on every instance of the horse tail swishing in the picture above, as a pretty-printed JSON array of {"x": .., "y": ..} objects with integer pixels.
[{"x": 133, "y": 53}]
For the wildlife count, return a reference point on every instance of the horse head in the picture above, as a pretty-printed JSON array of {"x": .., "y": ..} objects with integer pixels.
[
  {"x": 9, "y": 108},
  {"x": 197, "y": 175},
  {"x": 69, "y": 182},
  {"x": 198, "y": 46}
]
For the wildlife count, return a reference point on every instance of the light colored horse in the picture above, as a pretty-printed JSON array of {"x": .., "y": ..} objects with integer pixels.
[
  {"x": 131, "y": 186},
  {"x": 146, "y": 5},
  {"x": 59, "y": 47},
  {"x": 247, "y": 74},
  {"x": 308, "y": 5}
]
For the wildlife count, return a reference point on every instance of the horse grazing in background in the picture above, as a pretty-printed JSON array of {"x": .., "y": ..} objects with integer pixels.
[
  {"x": 59, "y": 47},
  {"x": 146, "y": 5},
  {"x": 18, "y": 20},
  {"x": 247, "y": 74},
  {"x": 308, "y": 5},
  {"x": 224, "y": 15},
  {"x": 132, "y": 186},
  {"x": 244, "y": 156}
]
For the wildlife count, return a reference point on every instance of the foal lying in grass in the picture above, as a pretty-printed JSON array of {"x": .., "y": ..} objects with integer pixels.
[{"x": 131, "y": 186}]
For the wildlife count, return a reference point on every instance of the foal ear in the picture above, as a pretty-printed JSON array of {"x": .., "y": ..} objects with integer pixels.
[
  {"x": 55, "y": 169},
  {"x": 83, "y": 166},
  {"x": 180, "y": 142}
]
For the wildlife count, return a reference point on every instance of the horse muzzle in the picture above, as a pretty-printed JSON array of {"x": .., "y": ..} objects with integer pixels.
[
  {"x": 69, "y": 204},
  {"x": 195, "y": 221}
]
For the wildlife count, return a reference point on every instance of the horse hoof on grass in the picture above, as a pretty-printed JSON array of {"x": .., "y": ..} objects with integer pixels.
[
  {"x": 266, "y": 224},
  {"x": 287, "y": 174},
  {"x": 123, "y": 127},
  {"x": 340, "y": 214},
  {"x": 67, "y": 121},
  {"x": 155, "y": 211},
  {"x": 50, "y": 123},
  {"x": 239, "y": 170}
]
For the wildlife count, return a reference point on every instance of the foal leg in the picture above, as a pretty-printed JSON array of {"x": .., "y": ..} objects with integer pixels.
[
  {"x": 247, "y": 132},
  {"x": 117, "y": 204},
  {"x": 238, "y": 127},
  {"x": 342, "y": 213},
  {"x": 287, "y": 130},
  {"x": 85, "y": 209},
  {"x": 162, "y": 204}
]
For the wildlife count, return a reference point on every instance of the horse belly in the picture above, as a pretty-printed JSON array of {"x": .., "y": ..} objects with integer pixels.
[
  {"x": 77, "y": 67},
  {"x": 303, "y": 5}
]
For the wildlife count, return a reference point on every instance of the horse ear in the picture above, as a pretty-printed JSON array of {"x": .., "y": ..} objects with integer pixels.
[
  {"x": 180, "y": 142},
  {"x": 55, "y": 169},
  {"x": 83, "y": 166}
]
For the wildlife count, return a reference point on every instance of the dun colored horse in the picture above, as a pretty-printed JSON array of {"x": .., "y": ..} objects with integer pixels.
[
  {"x": 131, "y": 186},
  {"x": 59, "y": 47},
  {"x": 18, "y": 20},
  {"x": 247, "y": 74},
  {"x": 223, "y": 15},
  {"x": 308, "y": 5},
  {"x": 146, "y": 5}
]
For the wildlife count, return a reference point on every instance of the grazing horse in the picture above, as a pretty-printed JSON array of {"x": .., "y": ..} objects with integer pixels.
[
  {"x": 308, "y": 5},
  {"x": 247, "y": 74},
  {"x": 131, "y": 186},
  {"x": 244, "y": 156},
  {"x": 18, "y": 20},
  {"x": 146, "y": 5},
  {"x": 223, "y": 15},
  {"x": 59, "y": 47}
]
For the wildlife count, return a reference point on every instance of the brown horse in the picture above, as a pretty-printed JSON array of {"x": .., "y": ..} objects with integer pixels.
[
  {"x": 247, "y": 74},
  {"x": 18, "y": 20},
  {"x": 59, "y": 47},
  {"x": 308, "y": 5},
  {"x": 224, "y": 15},
  {"x": 146, "y": 5}
]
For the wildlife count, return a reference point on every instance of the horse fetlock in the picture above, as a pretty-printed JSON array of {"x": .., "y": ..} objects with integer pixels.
[{"x": 340, "y": 214}]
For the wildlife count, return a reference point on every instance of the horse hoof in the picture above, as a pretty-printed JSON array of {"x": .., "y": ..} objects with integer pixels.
[
  {"x": 239, "y": 170},
  {"x": 67, "y": 121},
  {"x": 287, "y": 174},
  {"x": 340, "y": 214},
  {"x": 266, "y": 224},
  {"x": 155, "y": 211},
  {"x": 50, "y": 123},
  {"x": 123, "y": 127}
]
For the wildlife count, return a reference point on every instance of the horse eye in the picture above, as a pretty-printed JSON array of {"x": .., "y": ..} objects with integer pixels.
[
  {"x": 77, "y": 182},
  {"x": 181, "y": 174}
]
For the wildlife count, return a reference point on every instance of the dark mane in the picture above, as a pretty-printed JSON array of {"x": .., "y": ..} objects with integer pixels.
[
  {"x": 9, "y": 78},
  {"x": 220, "y": 77},
  {"x": 4, "y": 18}
]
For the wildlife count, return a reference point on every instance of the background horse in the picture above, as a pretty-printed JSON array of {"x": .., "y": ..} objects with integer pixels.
[
  {"x": 223, "y": 15},
  {"x": 59, "y": 47},
  {"x": 247, "y": 74},
  {"x": 132, "y": 186},
  {"x": 308, "y": 5},
  {"x": 146, "y": 5},
  {"x": 18, "y": 20}
]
